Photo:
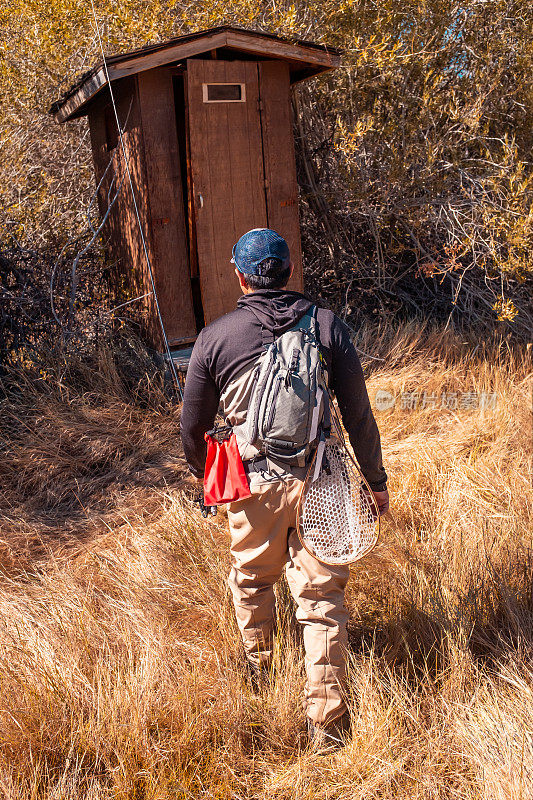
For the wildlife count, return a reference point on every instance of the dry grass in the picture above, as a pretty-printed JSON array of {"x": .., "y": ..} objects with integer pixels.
[{"x": 121, "y": 673}]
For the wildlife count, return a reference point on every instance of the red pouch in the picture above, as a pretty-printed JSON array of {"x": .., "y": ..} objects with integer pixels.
[{"x": 224, "y": 478}]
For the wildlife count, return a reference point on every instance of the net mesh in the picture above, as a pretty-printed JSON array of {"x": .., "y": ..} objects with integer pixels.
[{"x": 337, "y": 519}]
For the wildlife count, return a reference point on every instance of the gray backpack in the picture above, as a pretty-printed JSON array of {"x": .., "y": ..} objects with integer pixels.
[{"x": 288, "y": 413}]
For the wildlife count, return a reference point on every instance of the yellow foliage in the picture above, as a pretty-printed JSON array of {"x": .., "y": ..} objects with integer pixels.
[
  {"x": 428, "y": 122},
  {"x": 505, "y": 309}
]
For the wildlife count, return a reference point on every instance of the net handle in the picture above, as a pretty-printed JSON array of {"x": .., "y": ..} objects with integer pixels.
[{"x": 299, "y": 511}]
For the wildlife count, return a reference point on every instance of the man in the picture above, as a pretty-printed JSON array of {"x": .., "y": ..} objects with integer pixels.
[{"x": 262, "y": 527}]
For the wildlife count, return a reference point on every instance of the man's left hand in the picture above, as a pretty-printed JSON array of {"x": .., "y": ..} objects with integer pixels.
[{"x": 382, "y": 501}]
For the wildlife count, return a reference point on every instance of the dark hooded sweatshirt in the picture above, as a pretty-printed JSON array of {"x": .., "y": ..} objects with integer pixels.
[{"x": 226, "y": 353}]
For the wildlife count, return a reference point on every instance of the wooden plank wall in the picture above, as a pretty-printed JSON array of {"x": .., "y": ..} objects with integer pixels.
[
  {"x": 164, "y": 194},
  {"x": 243, "y": 166},
  {"x": 151, "y": 145},
  {"x": 128, "y": 274},
  {"x": 280, "y": 162}
]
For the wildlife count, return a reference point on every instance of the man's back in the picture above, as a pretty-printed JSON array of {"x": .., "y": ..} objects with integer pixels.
[{"x": 225, "y": 357}]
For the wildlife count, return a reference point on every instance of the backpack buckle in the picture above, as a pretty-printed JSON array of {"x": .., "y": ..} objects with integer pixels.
[
  {"x": 293, "y": 367},
  {"x": 221, "y": 433}
]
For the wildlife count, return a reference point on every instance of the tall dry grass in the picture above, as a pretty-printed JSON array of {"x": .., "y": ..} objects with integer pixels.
[{"x": 121, "y": 670}]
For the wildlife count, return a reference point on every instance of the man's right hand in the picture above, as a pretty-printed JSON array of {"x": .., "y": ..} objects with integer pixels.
[{"x": 382, "y": 501}]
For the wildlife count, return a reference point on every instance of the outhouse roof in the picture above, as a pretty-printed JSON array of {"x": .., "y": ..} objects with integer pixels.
[{"x": 305, "y": 59}]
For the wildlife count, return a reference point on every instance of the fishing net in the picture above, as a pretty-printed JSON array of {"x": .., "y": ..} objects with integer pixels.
[{"x": 338, "y": 520}]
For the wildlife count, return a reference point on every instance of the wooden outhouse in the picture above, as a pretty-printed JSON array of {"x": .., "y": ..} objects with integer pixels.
[{"x": 209, "y": 142}]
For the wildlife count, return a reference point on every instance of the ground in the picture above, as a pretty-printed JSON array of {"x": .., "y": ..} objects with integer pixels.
[{"x": 121, "y": 670}]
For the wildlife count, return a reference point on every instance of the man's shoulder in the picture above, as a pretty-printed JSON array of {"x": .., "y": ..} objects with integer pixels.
[
  {"x": 225, "y": 335},
  {"x": 226, "y": 324},
  {"x": 331, "y": 327},
  {"x": 325, "y": 315}
]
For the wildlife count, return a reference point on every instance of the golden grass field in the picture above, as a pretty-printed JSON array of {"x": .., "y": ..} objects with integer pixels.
[{"x": 120, "y": 661}]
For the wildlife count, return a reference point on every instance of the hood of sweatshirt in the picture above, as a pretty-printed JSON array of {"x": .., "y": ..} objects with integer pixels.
[{"x": 276, "y": 309}]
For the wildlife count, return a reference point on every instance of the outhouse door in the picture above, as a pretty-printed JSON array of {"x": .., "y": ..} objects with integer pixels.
[{"x": 242, "y": 166}]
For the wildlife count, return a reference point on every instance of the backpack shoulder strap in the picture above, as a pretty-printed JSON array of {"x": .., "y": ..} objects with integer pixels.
[{"x": 307, "y": 322}]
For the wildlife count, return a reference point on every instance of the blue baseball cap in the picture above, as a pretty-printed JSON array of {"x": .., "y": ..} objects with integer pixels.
[{"x": 255, "y": 246}]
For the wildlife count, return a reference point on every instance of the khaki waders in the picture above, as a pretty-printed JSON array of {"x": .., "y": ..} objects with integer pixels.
[{"x": 263, "y": 543}]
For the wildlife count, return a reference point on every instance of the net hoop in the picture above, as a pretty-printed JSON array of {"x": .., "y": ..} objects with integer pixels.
[{"x": 370, "y": 498}]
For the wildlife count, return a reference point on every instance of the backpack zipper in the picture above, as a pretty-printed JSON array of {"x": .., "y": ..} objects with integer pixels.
[
  {"x": 255, "y": 410},
  {"x": 255, "y": 378},
  {"x": 261, "y": 389},
  {"x": 275, "y": 393}
]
